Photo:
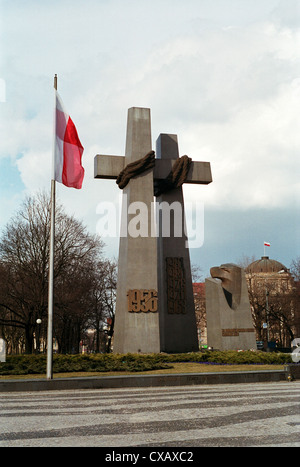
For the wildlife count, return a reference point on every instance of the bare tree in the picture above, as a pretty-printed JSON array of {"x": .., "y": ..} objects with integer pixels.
[
  {"x": 24, "y": 262},
  {"x": 273, "y": 302},
  {"x": 295, "y": 269},
  {"x": 102, "y": 304},
  {"x": 245, "y": 261}
]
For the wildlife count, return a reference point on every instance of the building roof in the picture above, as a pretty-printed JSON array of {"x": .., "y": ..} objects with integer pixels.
[
  {"x": 265, "y": 265},
  {"x": 198, "y": 287}
]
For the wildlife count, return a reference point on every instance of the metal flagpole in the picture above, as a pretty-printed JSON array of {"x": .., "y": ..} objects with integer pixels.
[{"x": 51, "y": 255}]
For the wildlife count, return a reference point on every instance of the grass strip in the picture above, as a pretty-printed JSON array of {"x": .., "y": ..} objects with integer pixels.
[{"x": 183, "y": 367}]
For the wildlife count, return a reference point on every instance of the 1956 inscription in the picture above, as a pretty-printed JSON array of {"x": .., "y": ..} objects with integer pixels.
[{"x": 142, "y": 301}]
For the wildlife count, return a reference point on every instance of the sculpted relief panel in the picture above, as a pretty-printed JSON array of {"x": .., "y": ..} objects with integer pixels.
[
  {"x": 176, "y": 286},
  {"x": 142, "y": 301}
]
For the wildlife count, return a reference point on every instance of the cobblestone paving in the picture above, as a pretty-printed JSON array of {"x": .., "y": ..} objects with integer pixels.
[{"x": 259, "y": 414}]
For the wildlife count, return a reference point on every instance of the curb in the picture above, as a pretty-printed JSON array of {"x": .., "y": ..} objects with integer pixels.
[
  {"x": 292, "y": 371},
  {"x": 142, "y": 381}
]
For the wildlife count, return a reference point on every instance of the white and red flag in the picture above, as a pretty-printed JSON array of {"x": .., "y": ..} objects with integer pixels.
[
  {"x": 67, "y": 150},
  {"x": 267, "y": 244}
]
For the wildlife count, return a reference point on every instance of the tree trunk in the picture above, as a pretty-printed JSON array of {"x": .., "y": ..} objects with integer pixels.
[{"x": 28, "y": 339}]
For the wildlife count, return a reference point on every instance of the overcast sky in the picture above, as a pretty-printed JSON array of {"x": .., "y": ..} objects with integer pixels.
[{"x": 224, "y": 75}]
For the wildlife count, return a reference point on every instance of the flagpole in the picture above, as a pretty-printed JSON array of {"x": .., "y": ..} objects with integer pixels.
[{"x": 51, "y": 255}]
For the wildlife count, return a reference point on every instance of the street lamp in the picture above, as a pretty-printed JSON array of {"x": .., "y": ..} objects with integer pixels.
[{"x": 38, "y": 322}]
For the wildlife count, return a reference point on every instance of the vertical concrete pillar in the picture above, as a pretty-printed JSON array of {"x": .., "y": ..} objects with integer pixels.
[
  {"x": 136, "y": 320},
  {"x": 178, "y": 331}
]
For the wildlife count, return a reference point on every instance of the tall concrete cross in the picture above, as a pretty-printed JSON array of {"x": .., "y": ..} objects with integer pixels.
[
  {"x": 178, "y": 329},
  {"x": 143, "y": 321}
]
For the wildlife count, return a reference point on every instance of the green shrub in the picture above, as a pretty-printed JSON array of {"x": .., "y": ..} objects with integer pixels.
[{"x": 36, "y": 364}]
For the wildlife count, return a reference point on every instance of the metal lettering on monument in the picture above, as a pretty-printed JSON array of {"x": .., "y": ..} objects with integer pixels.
[
  {"x": 176, "y": 286},
  {"x": 142, "y": 301}
]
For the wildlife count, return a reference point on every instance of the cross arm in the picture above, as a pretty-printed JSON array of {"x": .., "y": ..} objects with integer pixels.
[
  {"x": 108, "y": 167},
  {"x": 199, "y": 172}
]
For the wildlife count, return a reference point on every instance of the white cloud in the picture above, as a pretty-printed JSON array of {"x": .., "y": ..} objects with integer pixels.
[
  {"x": 226, "y": 80},
  {"x": 232, "y": 97}
]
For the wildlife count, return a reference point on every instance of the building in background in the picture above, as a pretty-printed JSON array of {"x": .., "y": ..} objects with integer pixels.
[
  {"x": 275, "y": 304},
  {"x": 274, "y": 300}
]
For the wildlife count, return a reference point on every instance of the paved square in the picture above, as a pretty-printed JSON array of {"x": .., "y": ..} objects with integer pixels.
[{"x": 259, "y": 414}]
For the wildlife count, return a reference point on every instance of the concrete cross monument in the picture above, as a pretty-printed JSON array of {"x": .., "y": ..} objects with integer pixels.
[
  {"x": 154, "y": 307},
  {"x": 178, "y": 330}
]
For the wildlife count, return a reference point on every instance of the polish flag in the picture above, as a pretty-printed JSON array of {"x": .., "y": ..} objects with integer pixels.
[
  {"x": 68, "y": 149},
  {"x": 267, "y": 244}
]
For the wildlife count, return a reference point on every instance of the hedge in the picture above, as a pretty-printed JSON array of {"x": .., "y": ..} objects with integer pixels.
[{"x": 36, "y": 364}]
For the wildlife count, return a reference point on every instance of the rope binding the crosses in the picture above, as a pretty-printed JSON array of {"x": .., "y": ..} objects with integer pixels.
[{"x": 175, "y": 179}]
